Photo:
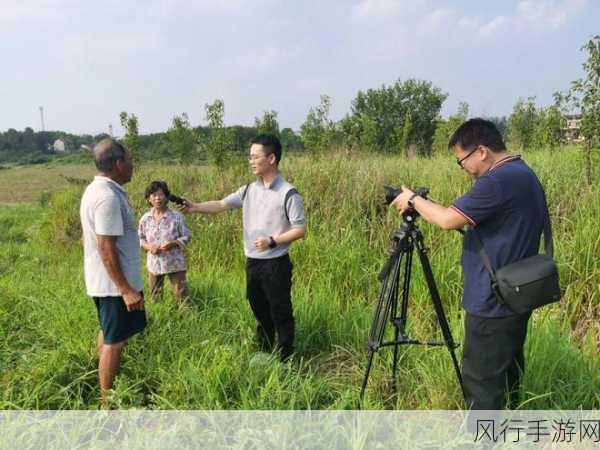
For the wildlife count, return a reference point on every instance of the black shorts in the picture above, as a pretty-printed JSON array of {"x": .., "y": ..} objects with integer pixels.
[{"x": 116, "y": 322}]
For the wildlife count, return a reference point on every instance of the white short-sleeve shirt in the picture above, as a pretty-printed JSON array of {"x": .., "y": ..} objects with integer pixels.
[
  {"x": 105, "y": 210},
  {"x": 264, "y": 214}
]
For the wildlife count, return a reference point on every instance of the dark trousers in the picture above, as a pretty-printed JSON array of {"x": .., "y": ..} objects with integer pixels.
[
  {"x": 268, "y": 288},
  {"x": 493, "y": 360}
]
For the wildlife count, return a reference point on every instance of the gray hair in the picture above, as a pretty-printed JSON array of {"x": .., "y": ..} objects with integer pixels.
[{"x": 106, "y": 154}]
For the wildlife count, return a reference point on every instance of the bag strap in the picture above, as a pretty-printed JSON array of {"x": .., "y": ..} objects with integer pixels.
[
  {"x": 488, "y": 265},
  {"x": 288, "y": 195},
  {"x": 548, "y": 242},
  {"x": 484, "y": 257},
  {"x": 245, "y": 191}
]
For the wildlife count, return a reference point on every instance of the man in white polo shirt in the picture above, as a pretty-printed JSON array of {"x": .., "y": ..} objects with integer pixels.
[
  {"x": 112, "y": 257},
  {"x": 273, "y": 218}
]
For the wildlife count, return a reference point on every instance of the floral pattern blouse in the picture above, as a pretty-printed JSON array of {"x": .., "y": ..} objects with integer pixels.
[{"x": 170, "y": 227}]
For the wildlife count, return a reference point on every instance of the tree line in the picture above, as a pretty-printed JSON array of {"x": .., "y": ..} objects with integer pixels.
[{"x": 401, "y": 118}]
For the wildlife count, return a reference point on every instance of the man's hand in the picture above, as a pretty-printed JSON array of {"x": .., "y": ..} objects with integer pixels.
[
  {"x": 262, "y": 244},
  {"x": 401, "y": 202},
  {"x": 134, "y": 301},
  {"x": 186, "y": 206}
]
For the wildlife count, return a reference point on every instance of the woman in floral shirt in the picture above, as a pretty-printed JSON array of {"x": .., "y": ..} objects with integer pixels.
[{"x": 164, "y": 235}]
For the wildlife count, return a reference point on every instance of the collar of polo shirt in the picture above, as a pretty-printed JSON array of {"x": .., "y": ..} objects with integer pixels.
[{"x": 273, "y": 183}]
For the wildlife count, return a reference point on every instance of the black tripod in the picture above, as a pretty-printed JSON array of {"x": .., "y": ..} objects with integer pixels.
[{"x": 403, "y": 242}]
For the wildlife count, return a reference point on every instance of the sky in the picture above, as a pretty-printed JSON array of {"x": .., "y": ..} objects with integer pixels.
[{"x": 86, "y": 61}]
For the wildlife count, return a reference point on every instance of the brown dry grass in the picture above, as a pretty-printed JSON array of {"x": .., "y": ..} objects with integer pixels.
[{"x": 26, "y": 184}]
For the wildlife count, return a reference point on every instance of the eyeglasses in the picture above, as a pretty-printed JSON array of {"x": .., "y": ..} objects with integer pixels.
[
  {"x": 460, "y": 161},
  {"x": 255, "y": 157}
]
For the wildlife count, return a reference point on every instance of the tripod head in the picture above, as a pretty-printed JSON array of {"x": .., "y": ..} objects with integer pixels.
[{"x": 401, "y": 241}]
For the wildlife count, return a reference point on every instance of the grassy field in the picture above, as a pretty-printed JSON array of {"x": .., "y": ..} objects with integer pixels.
[
  {"x": 26, "y": 184},
  {"x": 203, "y": 356}
]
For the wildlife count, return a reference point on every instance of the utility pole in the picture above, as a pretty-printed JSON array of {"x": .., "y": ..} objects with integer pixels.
[{"x": 42, "y": 117}]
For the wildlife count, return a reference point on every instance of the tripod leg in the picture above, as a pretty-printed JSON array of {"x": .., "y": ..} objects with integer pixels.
[
  {"x": 366, "y": 378},
  {"x": 437, "y": 304},
  {"x": 400, "y": 322},
  {"x": 406, "y": 289},
  {"x": 387, "y": 305},
  {"x": 395, "y": 364}
]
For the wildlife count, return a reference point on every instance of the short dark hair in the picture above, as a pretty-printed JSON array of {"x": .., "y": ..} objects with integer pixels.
[
  {"x": 156, "y": 186},
  {"x": 270, "y": 143},
  {"x": 476, "y": 132},
  {"x": 107, "y": 152}
]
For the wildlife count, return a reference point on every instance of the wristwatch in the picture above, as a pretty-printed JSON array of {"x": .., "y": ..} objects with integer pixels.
[
  {"x": 272, "y": 243},
  {"x": 411, "y": 200}
]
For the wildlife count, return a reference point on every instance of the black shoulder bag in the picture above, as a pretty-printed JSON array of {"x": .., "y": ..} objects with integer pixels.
[{"x": 529, "y": 283}]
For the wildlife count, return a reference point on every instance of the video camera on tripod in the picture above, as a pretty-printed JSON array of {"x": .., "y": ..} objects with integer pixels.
[{"x": 395, "y": 280}]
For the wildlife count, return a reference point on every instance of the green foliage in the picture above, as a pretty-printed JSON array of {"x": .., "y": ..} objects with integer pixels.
[
  {"x": 182, "y": 139},
  {"x": 404, "y": 134},
  {"x": 220, "y": 141},
  {"x": 60, "y": 225},
  {"x": 445, "y": 129},
  {"x": 318, "y": 131},
  {"x": 533, "y": 127},
  {"x": 202, "y": 356},
  {"x": 290, "y": 140},
  {"x": 586, "y": 92},
  {"x": 31, "y": 147},
  {"x": 267, "y": 124},
  {"x": 548, "y": 128},
  {"x": 521, "y": 123},
  {"x": 131, "y": 140},
  {"x": 377, "y": 118}
]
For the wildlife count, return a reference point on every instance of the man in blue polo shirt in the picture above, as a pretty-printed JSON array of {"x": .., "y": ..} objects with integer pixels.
[{"x": 506, "y": 209}]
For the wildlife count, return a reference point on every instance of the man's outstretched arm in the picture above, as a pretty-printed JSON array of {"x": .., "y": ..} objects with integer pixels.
[{"x": 211, "y": 207}]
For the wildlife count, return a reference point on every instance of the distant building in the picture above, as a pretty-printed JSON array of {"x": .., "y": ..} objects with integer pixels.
[
  {"x": 571, "y": 133},
  {"x": 59, "y": 146},
  {"x": 85, "y": 148}
]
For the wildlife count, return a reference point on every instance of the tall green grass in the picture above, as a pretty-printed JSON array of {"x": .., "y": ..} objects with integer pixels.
[{"x": 202, "y": 356}]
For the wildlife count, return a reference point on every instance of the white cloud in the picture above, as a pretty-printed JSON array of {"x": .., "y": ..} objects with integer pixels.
[
  {"x": 534, "y": 16},
  {"x": 542, "y": 13},
  {"x": 374, "y": 10},
  {"x": 420, "y": 19}
]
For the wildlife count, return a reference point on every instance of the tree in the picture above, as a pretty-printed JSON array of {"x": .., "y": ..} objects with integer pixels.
[
  {"x": 267, "y": 124},
  {"x": 378, "y": 116},
  {"x": 547, "y": 129},
  {"x": 522, "y": 122},
  {"x": 446, "y": 128},
  {"x": 585, "y": 93},
  {"x": 132, "y": 136},
  {"x": 290, "y": 140},
  {"x": 318, "y": 131},
  {"x": 220, "y": 141},
  {"x": 182, "y": 139},
  {"x": 404, "y": 134}
]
